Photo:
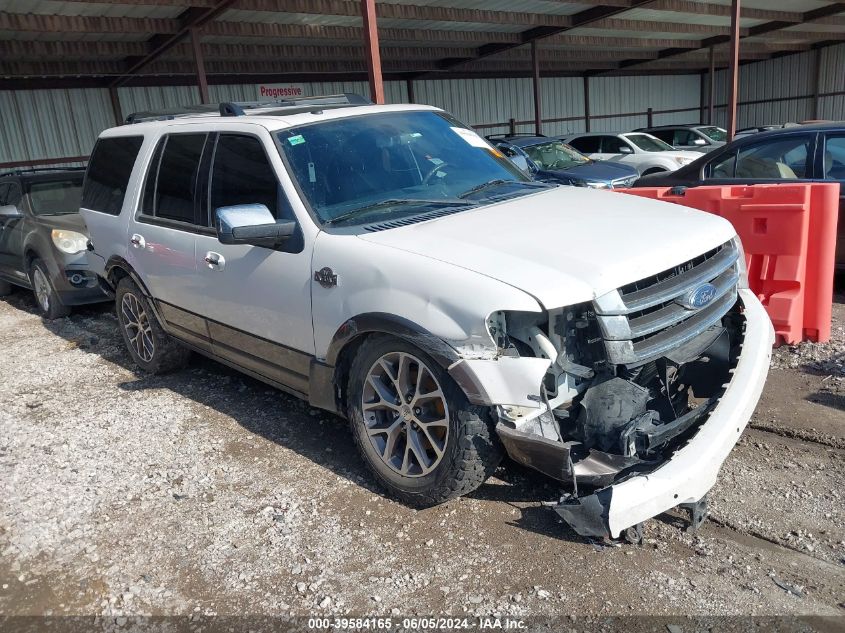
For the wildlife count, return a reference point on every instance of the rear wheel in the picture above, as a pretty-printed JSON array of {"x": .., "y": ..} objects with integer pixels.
[
  {"x": 45, "y": 295},
  {"x": 152, "y": 349},
  {"x": 414, "y": 427}
]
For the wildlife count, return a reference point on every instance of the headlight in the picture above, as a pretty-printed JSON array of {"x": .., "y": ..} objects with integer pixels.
[
  {"x": 743, "y": 267},
  {"x": 69, "y": 242},
  {"x": 683, "y": 160}
]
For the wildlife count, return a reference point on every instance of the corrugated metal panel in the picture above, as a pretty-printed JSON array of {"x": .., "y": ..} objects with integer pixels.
[
  {"x": 523, "y": 6},
  {"x": 618, "y": 95},
  {"x": 833, "y": 70},
  {"x": 51, "y": 123}
]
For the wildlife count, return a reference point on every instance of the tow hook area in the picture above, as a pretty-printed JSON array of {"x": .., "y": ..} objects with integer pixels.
[
  {"x": 698, "y": 512},
  {"x": 588, "y": 515}
]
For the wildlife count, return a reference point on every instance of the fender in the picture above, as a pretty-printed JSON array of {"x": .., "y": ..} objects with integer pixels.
[
  {"x": 324, "y": 390},
  {"x": 115, "y": 261},
  {"x": 383, "y": 323}
]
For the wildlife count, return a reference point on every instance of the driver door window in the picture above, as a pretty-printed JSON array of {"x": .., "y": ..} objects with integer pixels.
[
  {"x": 774, "y": 159},
  {"x": 611, "y": 145}
]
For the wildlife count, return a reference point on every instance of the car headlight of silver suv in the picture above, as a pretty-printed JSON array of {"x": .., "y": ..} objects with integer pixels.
[
  {"x": 742, "y": 266},
  {"x": 69, "y": 242}
]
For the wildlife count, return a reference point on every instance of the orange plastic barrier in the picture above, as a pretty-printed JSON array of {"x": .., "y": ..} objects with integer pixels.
[{"x": 789, "y": 236}]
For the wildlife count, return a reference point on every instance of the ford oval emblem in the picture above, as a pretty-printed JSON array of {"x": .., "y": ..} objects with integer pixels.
[{"x": 699, "y": 296}]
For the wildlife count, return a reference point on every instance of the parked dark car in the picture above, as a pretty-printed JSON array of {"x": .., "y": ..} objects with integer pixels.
[
  {"x": 693, "y": 137},
  {"x": 552, "y": 160},
  {"x": 805, "y": 153},
  {"x": 43, "y": 239}
]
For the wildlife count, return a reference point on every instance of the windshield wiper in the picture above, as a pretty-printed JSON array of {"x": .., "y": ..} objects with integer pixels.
[
  {"x": 397, "y": 202},
  {"x": 500, "y": 181}
]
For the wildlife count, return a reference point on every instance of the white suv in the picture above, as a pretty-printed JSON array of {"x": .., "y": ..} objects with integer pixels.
[
  {"x": 387, "y": 264},
  {"x": 646, "y": 153}
]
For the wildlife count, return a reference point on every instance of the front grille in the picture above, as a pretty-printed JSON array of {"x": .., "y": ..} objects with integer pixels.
[
  {"x": 647, "y": 319},
  {"x": 623, "y": 183}
]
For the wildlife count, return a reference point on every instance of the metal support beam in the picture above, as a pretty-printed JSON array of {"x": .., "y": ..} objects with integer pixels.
[
  {"x": 409, "y": 87},
  {"x": 817, "y": 82},
  {"x": 586, "y": 103},
  {"x": 733, "y": 69},
  {"x": 199, "y": 62},
  {"x": 115, "y": 106},
  {"x": 368, "y": 13},
  {"x": 711, "y": 106},
  {"x": 535, "y": 67}
]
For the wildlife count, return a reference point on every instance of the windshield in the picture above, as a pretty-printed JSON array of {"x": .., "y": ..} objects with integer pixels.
[
  {"x": 55, "y": 197},
  {"x": 389, "y": 165},
  {"x": 714, "y": 133},
  {"x": 555, "y": 155},
  {"x": 649, "y": 143}
]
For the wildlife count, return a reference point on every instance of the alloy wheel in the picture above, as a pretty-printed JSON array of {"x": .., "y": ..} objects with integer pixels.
[
  {"x": 137, "y": 326},
  {"x": 405, "y": 414},
  {"x": 42, "y": 288}
]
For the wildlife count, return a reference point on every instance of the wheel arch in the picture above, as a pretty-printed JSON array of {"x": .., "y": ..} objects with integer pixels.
[
  {"x": 116, "y": 269},
  {"x": 349, "y": 337}
]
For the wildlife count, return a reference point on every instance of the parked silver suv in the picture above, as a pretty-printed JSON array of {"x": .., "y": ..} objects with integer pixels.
[{"x": 388, "y": 264}]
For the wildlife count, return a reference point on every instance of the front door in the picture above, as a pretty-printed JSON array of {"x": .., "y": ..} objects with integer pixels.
[{"x": 257, "y": 300}]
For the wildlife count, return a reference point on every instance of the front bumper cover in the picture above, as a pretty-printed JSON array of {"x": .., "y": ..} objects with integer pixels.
[{"x": 692, "y": 470}]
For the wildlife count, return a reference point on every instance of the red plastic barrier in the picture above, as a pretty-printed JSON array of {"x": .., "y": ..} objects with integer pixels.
[{"x": 789, "y": 236}]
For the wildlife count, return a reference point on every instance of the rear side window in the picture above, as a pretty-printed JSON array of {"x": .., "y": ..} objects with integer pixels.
[
  {"x": 242, "y": 174},
  {"x": 586, "y": 144},
  {"x": 14, "y": 194},
  {"x": 612, "y": 145},
  {"x": 175, "y": 192},
  {"x": 108, "y": 173},
  {"x": 667, "y": 136},
  {"x": 4, "y": 187}
]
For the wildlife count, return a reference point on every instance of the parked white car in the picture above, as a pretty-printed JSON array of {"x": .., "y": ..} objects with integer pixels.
[
  {"x": 387, "y": 264},
  {"x": 647, "y": 153}
]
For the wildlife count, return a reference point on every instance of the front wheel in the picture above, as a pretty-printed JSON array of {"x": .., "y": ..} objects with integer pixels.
[
  {"x": 45, "y": 295},
  {"x": 414, "y": 427},
  {"x": 152, "y": 349}
]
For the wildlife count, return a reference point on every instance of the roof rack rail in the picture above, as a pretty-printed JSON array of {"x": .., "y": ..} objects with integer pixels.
[
  {"x": 240, "y": 108},
  {"x": 34, "y": 170}
]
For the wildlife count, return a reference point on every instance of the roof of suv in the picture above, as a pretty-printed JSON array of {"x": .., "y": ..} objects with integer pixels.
[
  {"x": 272, "y": 120},
  {"x": 44, "y": 173}
]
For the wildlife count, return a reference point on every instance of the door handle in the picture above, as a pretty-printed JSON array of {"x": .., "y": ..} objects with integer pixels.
[
  {"x": 214, "y": 260},
  {"x": 137, "y": 241}
]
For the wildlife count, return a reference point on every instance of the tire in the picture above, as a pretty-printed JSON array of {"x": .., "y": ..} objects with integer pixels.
[
  {"x": 46, "y": 297},
  {"x": 654, "y": 170},
  {"x": 5, "y": 288},
  {"x": 151, "y": 348},
  {"x": 456, "y": 446}
]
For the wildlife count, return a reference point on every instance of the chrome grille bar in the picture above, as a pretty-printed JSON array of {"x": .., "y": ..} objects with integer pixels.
[{"x": 645, "y": 323}]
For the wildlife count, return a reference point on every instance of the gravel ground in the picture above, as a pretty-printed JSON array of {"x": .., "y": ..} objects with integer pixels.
[{"x": 206, "y": 492}]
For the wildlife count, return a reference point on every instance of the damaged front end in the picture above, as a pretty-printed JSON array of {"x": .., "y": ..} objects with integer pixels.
[{"x": 631, "y": 410}]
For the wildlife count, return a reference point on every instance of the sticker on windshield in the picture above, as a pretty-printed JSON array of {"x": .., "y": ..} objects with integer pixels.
[
  {"x": 296, "y": 140},
  {"x": 435, "y": 161},
  {"x": 470, "y": 137}
]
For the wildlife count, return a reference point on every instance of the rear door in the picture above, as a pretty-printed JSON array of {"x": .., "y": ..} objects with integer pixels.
[
  {"x": 832, "y": 168},
  {"x": 161, "y": 240}
]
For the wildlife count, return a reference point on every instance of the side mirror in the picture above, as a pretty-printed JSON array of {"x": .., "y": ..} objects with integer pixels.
[
  {"x": 251, "y": 224},
  {"x": 9, "y": 211},
  {"x": 699, "y": 142},
  {"x": 624, "y": 149}
]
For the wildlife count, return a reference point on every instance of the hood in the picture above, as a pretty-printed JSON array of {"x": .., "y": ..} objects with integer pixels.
[
  {"x": 564, "y": 245},
  {"x": 597, "y": 170},
  {"x": 68, "y": 221},
  {"x": 678, "y": 153}
]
